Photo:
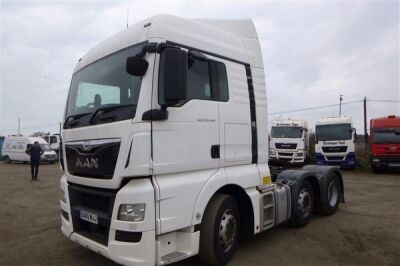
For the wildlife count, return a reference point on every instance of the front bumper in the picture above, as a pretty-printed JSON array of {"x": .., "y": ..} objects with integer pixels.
[
  {"x": 383, "y": 162},
  {"x": 141, "y": 251},
  {"x": 287, "y": 156},
  {"x": 348, "y": 161}
]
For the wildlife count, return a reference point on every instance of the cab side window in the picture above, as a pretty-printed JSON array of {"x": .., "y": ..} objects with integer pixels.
[{"x": 206, "y": 80}]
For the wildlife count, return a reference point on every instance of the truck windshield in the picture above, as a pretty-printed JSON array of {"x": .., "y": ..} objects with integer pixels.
[
  {"x": 104, "y": 85},
  {"x": 333, "y": 132},
  {"x": 286, "y": 132},
  {"x": 386, "y": 135}
]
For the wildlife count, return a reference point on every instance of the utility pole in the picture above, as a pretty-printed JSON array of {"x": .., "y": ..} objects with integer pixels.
[
  {"x": 365, "y": 124},
  {"x": 19, "y": 125},
  {"x": 60, "y": 129},
  {"x": 127, "y": 18},
  {"x": 340, "y": 104}
]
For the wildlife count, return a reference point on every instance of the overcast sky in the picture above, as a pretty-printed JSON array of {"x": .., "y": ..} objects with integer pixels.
[{"x": 313, "y": 51}]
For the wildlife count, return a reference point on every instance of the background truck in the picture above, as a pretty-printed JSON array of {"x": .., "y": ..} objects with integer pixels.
[
  {"x": 335, "y": 140},
  {"x": 385, "y": 142},
  {"x": 54, "y": 141},
  {"x": 165, "y": 148},
  {"x": 14, "y": 149},
  {"x": 289, "y": 141}
]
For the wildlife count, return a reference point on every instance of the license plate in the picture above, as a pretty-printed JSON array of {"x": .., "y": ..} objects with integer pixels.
[
  {"x": 394, "y": 165},
  {"x": 90, "y": 217}
]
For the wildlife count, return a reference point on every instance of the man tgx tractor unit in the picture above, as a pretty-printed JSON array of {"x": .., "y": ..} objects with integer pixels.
[
  {"x": 385, "y": 143},
  {"x": 335, "y": 140},
  {"x": 289, "y": 140},
  {"x": 165, "y": 146}
]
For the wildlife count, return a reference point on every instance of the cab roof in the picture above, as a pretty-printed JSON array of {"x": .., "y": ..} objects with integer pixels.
[
  {"x": 235, "y": 39},
  {"x": 334, "y": 120},
  {"x": 388, "y": 121}
]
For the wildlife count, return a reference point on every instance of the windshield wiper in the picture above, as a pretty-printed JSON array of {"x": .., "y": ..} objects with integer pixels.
[
  {"x": 108, "y": 109},
  {"x": 73, "y": 121}
]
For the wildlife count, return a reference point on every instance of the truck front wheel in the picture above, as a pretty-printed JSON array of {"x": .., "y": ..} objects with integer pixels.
[
  {"x": 305, "y": 205},
  {"x": 219, "y": 230}
]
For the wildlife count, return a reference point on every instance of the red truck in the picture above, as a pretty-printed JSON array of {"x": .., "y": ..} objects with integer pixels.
[{"x": 385, "y": 143}]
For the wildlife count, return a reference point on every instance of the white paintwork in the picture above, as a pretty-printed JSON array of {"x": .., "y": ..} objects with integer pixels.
[
  {"x": 350, "y": 144},
  {"x": 15, "y": 147},
  {"x": 175, "y": 153},
  {"x": 301, "y": 152}
]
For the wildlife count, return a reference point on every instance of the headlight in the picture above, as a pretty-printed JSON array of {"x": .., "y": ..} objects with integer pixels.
[
  {"x": 375, "y": 160},
  {"x": 131, "y": 212},
  {"x": 272, "y": 152},
  {"x": 62, "y": 196},
  {"x": 300, "y": 154}
]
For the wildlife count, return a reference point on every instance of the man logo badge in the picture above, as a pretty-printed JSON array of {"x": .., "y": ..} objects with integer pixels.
[
  {"x": 86, "y": 146},
  {"x": 87, "y": 163}
]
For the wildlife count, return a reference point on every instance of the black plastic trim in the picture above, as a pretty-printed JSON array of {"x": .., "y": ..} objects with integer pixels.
[
  {"x": 129, "y": 156},
  {"x": 254, "y": 139},
  {"x": 124, "y": 236},
  {"x": 208, "y": 53},
  {"x": 65, "y": 215}
]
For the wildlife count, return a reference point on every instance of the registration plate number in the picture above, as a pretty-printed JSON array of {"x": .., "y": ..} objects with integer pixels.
[
  {"x": 90, "y": 217},
  {"x": 394, "y": 165}
]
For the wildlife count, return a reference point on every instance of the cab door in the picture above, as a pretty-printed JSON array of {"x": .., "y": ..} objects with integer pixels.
[{"x": 188, "y": 139}]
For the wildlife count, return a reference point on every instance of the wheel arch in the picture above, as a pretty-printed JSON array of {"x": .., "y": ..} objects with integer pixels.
[
  {"x": 245, "y": 205},
  {"x": 246, "y": 211}
]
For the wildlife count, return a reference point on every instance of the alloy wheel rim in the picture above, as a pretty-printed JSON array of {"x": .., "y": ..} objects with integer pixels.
[{"x": 227, "y": 230}]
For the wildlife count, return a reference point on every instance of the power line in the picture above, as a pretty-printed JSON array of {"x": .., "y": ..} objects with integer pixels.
[
  {"x": 384, "y": 101},
  {"x": 313, "y": 108}
]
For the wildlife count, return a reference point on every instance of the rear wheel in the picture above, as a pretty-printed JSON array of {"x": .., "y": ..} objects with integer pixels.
[
  {"x": 332, "y": 193},
  {"x": 219, "y": 230},
  {"x": 305, "y": 205}
]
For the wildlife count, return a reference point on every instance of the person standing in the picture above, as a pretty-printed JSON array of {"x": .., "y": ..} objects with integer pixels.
[{"x": 35, "y": 151}]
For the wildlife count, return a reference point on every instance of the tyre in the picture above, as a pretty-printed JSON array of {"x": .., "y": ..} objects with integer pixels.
[
  {"x": 7, "y": 159},
  {"x": 219, "y": 230},
  {"x": 331, "y": 195},
  {"x": 304, "y": 201}
]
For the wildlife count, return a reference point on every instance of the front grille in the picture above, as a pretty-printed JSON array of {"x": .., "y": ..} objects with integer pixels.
[
  {"x": 95, "y": 201},
  {"x": 334, "y": 158},
  {"x": 285, "y": 154},
  {"x": 287, "y": 146},
  {"x": 334, "y": 149},
  {"x": 94, "y": 159}
]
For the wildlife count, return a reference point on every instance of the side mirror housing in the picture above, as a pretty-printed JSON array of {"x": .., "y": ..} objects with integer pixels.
[
  {"x": 173, "y": 75},
  {"x": 136, "y": 66}
]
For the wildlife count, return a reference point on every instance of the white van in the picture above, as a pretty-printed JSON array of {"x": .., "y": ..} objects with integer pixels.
[{"x": 14, "y": 149}]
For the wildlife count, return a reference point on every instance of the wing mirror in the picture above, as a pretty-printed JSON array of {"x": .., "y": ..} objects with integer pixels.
[
  {"x": 173, "y": 75},
  {"x": 136, "y": 66}
]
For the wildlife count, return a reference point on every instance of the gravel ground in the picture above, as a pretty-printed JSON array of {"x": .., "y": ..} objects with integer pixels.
[{"x": 364, "y": 231}]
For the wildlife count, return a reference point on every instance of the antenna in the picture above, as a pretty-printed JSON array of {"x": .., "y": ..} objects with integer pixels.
[{"x": 127, "y": 17}]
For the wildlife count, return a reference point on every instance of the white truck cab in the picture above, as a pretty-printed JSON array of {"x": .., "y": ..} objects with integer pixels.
[
  {"x": 289, "y": 140},
  {"x": 335, "y": 140},
  {"x": 165, "y": 150}
]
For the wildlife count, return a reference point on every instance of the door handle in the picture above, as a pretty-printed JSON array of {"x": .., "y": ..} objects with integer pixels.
[{"x": 215, "y": 151}]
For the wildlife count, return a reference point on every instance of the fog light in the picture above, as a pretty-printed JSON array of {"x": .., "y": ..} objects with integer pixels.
[
  {"x": 272, "y": 152},
  {"x": 131, "y": 212}
]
